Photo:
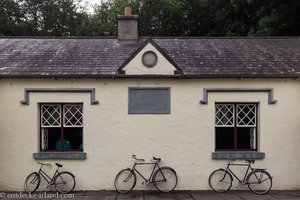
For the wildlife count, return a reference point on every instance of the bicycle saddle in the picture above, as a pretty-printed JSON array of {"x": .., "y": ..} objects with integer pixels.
[
  {"x": 156, "y": 159},
  {"x": 250, "y": 161},
  {"x": 58, "y": 165}
]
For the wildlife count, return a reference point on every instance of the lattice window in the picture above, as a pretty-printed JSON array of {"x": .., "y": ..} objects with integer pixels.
[
  {"x": 224, "y": 115},
  {"x": 246, "y": 115},
  {"x": 73, "y": 116},
  {"x": 50, "y": 116}
]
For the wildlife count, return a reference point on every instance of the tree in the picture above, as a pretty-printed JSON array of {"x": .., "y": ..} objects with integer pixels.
[
  {"x": 104, "y": 20},
  {"x": 276, "y": 17},
  {"x": 162, "y": 18},
  {"x": 10, "y": 17},
  {"x": 157, "y": 17}
]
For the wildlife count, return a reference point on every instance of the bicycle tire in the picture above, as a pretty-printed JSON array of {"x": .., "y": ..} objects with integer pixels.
[
  {"x": 165, "y": 179},
  {"x": 259, "y": 182},
  {"x": 64, "y": 182},
  {"x": 32, "y": 182},
  {"x": 125, "y": 181},
  {"x": 220, "y": 180}
]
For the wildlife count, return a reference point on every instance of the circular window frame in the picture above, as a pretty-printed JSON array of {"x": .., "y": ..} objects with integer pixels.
[{"x": 146, "y": 64}]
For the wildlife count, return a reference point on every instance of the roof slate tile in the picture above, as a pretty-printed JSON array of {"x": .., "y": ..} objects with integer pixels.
[{"x": 201, "y": 57}]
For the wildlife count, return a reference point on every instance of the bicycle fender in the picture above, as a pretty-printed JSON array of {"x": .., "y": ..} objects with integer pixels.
[
  {"x": 227, "y": 172},
  {"x": 131, "y": 170},
  {"x": 224, "y": 170},
  {"x": 166, "y": 167},
  {"x": 259, "y": 169},
  {"x": 68, "y": 173}
]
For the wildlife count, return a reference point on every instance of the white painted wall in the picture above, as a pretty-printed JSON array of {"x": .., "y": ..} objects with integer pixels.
[{"x": 184, "y": 139}]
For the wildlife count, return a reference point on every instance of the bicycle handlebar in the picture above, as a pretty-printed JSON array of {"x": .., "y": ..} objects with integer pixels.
[
  {"x": 138, "y": 159},
  {"x": 230, "y": 159},
  {"x": 154, "y": 159},
  {"x": 48, "y": 164}
]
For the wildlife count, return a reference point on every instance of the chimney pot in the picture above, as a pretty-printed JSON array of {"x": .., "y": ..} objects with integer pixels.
[{"x": 128, "y": 11}]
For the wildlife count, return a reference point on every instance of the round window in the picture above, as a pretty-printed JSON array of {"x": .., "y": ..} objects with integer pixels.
[{"x": 149, "y": 59}]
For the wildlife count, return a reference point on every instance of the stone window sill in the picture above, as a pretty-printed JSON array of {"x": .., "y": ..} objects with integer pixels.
[
  {"x": 238, "y": 155},
  {"x": 60, "y": 155}
]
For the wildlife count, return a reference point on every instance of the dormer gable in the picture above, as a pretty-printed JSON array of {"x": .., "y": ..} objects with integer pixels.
[{"x": 149, "y": 59}]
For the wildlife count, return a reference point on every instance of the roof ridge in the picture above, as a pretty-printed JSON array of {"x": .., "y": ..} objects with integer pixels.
[
  {"x": 150, "y": 37},
  {"x": 234, "y": 37},
  {"x": 59, "y": 37}
]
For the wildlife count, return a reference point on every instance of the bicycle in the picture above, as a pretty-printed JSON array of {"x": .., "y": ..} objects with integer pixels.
[
  {"x": 163, "y": 178},
  {"x": 259, "y": 181},
  {"x": 64, "y": 181}
]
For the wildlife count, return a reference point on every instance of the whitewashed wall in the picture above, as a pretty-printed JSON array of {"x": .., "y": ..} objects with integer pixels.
[{"x": 184, "y": 139}]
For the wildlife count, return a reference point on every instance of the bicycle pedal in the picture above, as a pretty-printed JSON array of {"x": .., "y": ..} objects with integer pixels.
[
  {"x": 146, "y": 183},
  {"x": 241, "y": 185}
]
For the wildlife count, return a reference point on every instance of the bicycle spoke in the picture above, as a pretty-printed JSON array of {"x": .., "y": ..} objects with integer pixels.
[
  {"x": 220, "y": 180},
  {"x": 259, "y": 182},
  {"x": 64, "y": 182},
  {"x": 32, "y": 182},
  {"x": 165, "y": 179},
  {"x": 128, "y": 179},
  {"x": 125, "y": 181}
]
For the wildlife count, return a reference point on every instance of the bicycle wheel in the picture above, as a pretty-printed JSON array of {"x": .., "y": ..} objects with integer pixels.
[
  {"x": 165, "y": 179},
  {"x": 259, "y": 182},
  {"x": 125, "y": 181},
  {"x": 32, "y": 182},
  {"x": 64, "y": 182},
  {"x": 220, "y": 180}
]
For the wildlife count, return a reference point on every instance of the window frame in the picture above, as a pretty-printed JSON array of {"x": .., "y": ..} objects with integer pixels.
[
  {"x": 235, "y": 127},
  {"x": 62, "y": 121}
]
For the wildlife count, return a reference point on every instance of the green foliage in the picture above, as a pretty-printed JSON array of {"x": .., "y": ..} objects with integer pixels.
[
  {"x": 157, "y": 17},
  {"x": 277, "y": 17},
  {"x": 162, "y": 18}
]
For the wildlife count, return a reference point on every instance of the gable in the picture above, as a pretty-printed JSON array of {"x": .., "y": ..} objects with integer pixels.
[{"x": 136, "y": 65}]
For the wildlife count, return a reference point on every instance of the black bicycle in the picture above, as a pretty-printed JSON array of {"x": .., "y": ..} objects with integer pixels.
[
  {"x": 163, "y": 178},
  {"x": 259, "y": 181},
  {"x": 64, "y": 181}
]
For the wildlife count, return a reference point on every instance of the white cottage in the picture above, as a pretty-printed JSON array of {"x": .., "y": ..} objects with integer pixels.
[{"x": 191, "y": 101}]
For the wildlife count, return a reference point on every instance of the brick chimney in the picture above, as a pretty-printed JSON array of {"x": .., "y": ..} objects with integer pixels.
[{"x": 128, "y": 31}]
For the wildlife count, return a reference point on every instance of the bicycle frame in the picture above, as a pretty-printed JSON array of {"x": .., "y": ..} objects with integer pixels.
[
  {"x": 155, "y": 166},
  {"x": 249, "y": 169},
  {"x": 46, "y": 176}
]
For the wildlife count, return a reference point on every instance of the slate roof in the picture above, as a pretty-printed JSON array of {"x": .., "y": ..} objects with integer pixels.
[{"x": 196, "y": 57}]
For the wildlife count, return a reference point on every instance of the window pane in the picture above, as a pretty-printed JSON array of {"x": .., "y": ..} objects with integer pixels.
[
  {"x": 73, "y": 116},
  {"x": 224, "y": 115},
  {"x": 50, "y": 116},
  {"x": 224, "y": 138},
  {"x": 73, "y": 136},
  {"x": 50, "y": 136},
  {"x": 246, "y": 115},
  {"x": 51, "y": 139},
  {"x": 246, "y": 138}
]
